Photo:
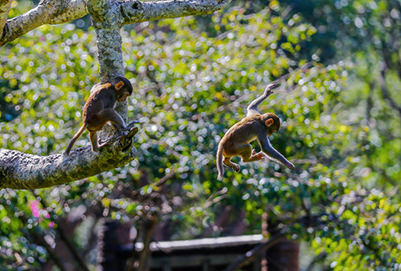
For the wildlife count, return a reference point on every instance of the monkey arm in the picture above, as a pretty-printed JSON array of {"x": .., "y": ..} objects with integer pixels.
[
  {"x": 268, "y": 149},
  {"x": 253, "y": 107}
]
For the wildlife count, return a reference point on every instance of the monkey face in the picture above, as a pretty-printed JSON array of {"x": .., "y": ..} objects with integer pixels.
[
  {"x": 270, "y": 132},
  {"x": 122, "y": 97},
  {"x": 272, "y": 123},
  {"x": 272, "y": 127}
]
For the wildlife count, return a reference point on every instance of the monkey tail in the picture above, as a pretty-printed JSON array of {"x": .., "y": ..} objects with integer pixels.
[
  {"x": 76, "y": 136},
  {"x": 219, "y": 163}
]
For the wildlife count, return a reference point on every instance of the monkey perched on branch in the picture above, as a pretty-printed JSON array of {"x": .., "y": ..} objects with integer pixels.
[
  {"x": 254, "y": 126},
  {"x": 99, "y": 109}
]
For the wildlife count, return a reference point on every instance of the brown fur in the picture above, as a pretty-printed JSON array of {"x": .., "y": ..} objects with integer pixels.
[
  {"x": 247, "y": 130},
  {"x": 254, "y": 126},
  {"x": 99, "y": 110}
]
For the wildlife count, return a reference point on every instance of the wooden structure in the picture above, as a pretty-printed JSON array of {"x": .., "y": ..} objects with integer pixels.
[{"x": 207, "y": 254}]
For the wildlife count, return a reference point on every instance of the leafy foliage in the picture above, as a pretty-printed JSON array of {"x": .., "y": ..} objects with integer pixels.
[{"x": 191, "y": 85}]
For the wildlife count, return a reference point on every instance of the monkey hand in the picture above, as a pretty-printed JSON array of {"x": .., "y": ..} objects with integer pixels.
[
  {"x": 290, "y": 165},
  {"x": 269, "y": 92}
]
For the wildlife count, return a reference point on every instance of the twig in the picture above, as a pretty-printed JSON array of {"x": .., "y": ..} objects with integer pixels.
[
  {"x": 212, "y": 199},
  {"x": 164, "y": 179}
]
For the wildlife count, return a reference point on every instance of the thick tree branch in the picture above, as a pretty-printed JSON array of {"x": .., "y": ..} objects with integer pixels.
[
  {"x": 47, "y": 12},
  {"x": 5, "y": 6},
  {"x": 74, "y": 10},
  {"x": 26, "y": 171},
  {"x": 137, "y": 11},
  {"x": 106, "y": 19},
  {"x": 133, "y": 11}
]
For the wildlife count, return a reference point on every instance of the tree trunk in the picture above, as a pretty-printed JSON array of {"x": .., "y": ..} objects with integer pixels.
[{"x": 284, "y": 256}]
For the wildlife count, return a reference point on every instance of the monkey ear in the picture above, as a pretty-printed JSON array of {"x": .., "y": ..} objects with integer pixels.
[
  {"x": 119, "y": 85},
  {"x": 269, "y": 122}
]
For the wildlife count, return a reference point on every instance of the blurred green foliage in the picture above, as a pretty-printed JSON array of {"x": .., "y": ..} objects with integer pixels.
[{"x": 190, "y": 86}]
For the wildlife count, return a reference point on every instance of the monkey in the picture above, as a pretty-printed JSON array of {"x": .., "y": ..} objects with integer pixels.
[
  {"x": 99, "y": 109},
  {"x": 254, "y": 126}
]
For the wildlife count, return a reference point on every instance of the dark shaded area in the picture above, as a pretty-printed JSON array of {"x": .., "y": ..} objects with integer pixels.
[
  {"x": 9, "y": 111},
  {"x": 212, "y": 254}
]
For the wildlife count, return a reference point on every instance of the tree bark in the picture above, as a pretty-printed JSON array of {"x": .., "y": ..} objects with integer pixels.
[
  {"x": 46, "y": 12},
  {"x": 133, "y": 11},
  {"x": 4, "y": 9},
  {"x": 137, "y": 11},
  {"x": 26, "y": 171}
]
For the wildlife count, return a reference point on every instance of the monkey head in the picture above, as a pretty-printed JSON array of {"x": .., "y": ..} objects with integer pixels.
[
  {"x": 123, "y": 88},
  {"x": 272, "y": 123}
]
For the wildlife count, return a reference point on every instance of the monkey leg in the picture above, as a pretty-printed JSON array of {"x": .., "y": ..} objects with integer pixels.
[
  {"x": 109, "y": 114},
  {"x": 93, "y": 139},
  {"x": 227, "y": 162},
  {"x": 247, "y": 154}
]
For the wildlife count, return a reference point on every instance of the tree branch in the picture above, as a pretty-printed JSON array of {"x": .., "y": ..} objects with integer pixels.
[
  {"x": 163, "y": 180},
  {"x": 106, "y": 19},
  {"x": 137, "y": 11},
  {"x": 26, "y": 171},
  {"x": 133, "y": 11},
  {"x": 47, "y": 12},
  {"x": 5, "y": 6},
  {"x": 74, "y": 10}
]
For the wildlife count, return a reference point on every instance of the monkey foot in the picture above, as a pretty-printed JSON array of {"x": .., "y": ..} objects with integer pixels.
[
  {"x": 257, "y": 156},
  {"x": 261, "y": 155},
  {"x": 235, "y": 167}
]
